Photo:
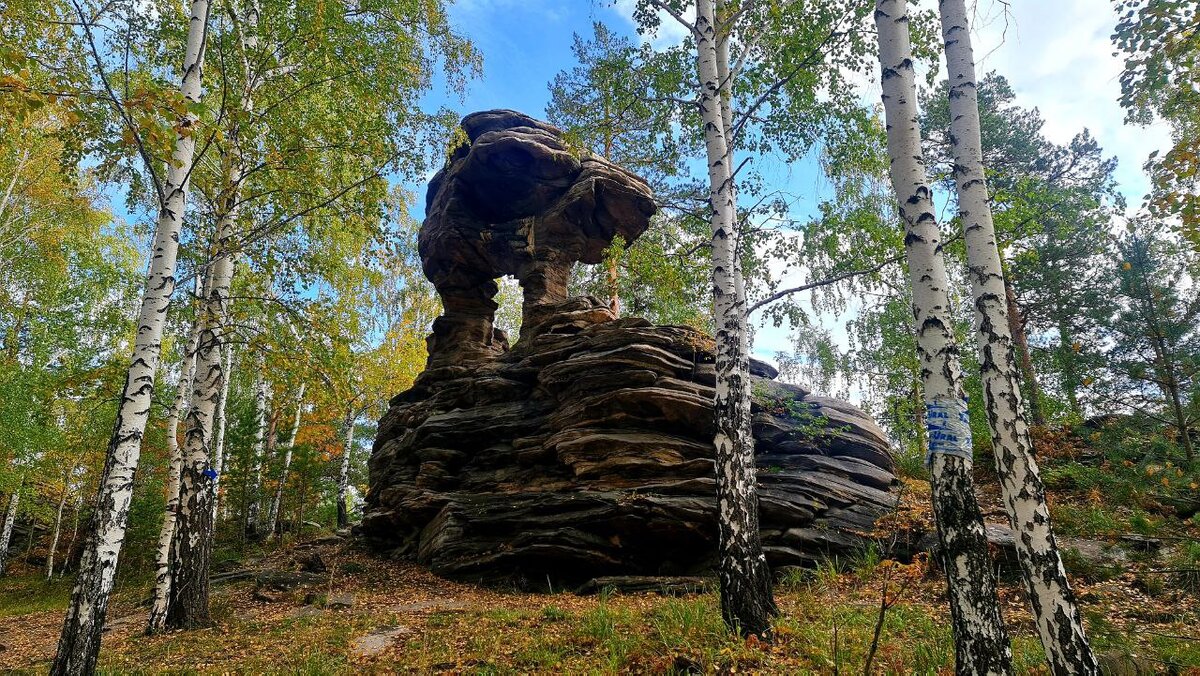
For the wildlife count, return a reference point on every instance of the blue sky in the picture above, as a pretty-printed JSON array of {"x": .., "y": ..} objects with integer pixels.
[{"x": 1056, "y": 54}]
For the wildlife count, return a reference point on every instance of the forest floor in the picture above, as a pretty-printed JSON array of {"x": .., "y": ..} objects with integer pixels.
[{"x": 365, "y": 614}]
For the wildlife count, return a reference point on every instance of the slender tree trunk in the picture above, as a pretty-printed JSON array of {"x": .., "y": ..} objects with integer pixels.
[
  {"x": 156, "y": 621},
  {"x": 980, "y": 639},
  {"x": 29, "y": 537},
  {"x": 343, "y": 509},
  {"x": 1070, "y": 376},
  {"x": 62, "y": 503},
  {"x": 79, "y": 643},
  {"x": 1016, "y": 324},
  {"x": 74, "y": 533},
  {"x": 747, "y": 603},
  {"x": 188, "y": 606},
  {"x": 219, "y": 432},
  {"x": 1055, "y": 612},
  {"x": 253, "y": 500},
  {"x": 1181, "y": 423},
  {"x": 10, "y": 519},
  {"x": 273, "y": 518}
]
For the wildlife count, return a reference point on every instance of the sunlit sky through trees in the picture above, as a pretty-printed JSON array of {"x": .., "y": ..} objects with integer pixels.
[{"x": 1058, "y": 56}]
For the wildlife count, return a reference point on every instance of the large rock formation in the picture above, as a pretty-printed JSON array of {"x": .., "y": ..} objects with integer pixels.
[{"x": 585, "y": 450}]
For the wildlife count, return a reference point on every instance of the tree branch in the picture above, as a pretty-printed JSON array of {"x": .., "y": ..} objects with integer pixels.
[{"x": 824, "y": 282}]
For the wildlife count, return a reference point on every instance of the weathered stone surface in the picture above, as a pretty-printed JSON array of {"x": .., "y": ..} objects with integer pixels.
[
  {"x": 378, "y": 641},
  {"x": 517, "y": 199},
  {"x": 654, "y": 584},
  {"x": 585, "y": 451},
  {"x": 589, "y": 454}
]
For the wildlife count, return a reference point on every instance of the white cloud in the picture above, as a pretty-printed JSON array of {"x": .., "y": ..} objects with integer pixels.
[
  {"x": 1059, "y": 58},
  {"x": 670, "y": 32}
]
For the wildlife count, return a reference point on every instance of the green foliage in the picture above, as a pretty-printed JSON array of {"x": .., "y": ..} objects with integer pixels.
[
  {"x": 1160, "y": 41},
  {"x": 1155, "y": 358}
]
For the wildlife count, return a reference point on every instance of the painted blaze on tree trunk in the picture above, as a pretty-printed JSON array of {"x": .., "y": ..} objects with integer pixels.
[
  {"x": 79, "y": 643},
  {"x": 980, "y": 639},
  {"x": 1055, "y": 611},
  {"x": 745, "y": 580}
]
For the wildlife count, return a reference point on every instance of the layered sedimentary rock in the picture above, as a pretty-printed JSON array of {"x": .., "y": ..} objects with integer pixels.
[{"x": 586, "y": 449}]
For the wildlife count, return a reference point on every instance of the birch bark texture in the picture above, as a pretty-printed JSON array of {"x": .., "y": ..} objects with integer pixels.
[
  {"x": 981, "y": 641},
  {"x": 156, "y": 621},
  {"x": 1055, "y": 611},
  {"x": 273, "y": 517},
  {"x": 260, "y": 435},
  {"x": 62, "y": 503},
  {"x": 79, "y": 642},
  {"x": 343, "y": 509},
  {"x": 187, "y": 605},
  {"x": 10, "y": 520},
  {"x": 219, "y": 432},
  {"x": 747, "y": 602}
]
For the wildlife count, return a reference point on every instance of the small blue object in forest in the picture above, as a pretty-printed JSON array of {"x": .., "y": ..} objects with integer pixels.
[
  {"x": 210, "y": 473},
  {"x": 949, "y": 427}
]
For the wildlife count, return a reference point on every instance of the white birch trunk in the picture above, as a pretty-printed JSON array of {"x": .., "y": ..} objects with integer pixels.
[
  {"x": 343, "y": 509},
  {"x": 219, "y": 433},
  {"x": 10, "y": 519},
  {"x": 162, "y": 560},
  {"x": 981, "y": 641},
  {"x": 745, "y": 581},
  {"x": 260, "y": 435},
  {"x": 273, "y": 518},
  {"x": 187, "y": 605},
  {"x": 62, "y": 503},
  {"x": 1055, "y": 611},
  {"x": 200, "y": 476},
  {"x": 79, "y": 643}
]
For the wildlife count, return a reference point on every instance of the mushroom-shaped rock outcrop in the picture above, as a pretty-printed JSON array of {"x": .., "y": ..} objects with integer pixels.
[
  {"x": 585, "y": 450},
  {"x": 517, "y": 199}
]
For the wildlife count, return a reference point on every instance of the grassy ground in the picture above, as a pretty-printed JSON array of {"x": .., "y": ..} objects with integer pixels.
[
  {"x": 1141, "y": 610},
  {"x": 828, "y": 619}
]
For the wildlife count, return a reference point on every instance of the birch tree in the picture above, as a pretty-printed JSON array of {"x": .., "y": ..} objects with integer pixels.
[
  {"x": 79, "y": 643},
  {"x": 763, "y": 76},
  {"x": 58, "y": 514},
  {"x": 162, "y": 561},
  {"x": 1055, "y": 611},
  {"x": 261, "y": 388},
  {"x": 219, "y": 432},
  {"x": 273, "y": 515},
  {"x": 10, "y": 519},
  {"x": 980, "y": 639},
  {"x": 192, "y": 543},
  {"x": 747, "y": 602},
  {"x": 343, "y": 494}
]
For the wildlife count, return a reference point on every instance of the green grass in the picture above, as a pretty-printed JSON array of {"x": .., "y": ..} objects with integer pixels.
[{"x": 32, "y": 594}]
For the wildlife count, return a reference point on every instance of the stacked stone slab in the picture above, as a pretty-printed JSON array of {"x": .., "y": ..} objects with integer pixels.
[{"x": 585, "y": 450}]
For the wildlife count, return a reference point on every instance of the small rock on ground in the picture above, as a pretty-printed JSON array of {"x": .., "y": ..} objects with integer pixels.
[{"x": 377, "y": 641}]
